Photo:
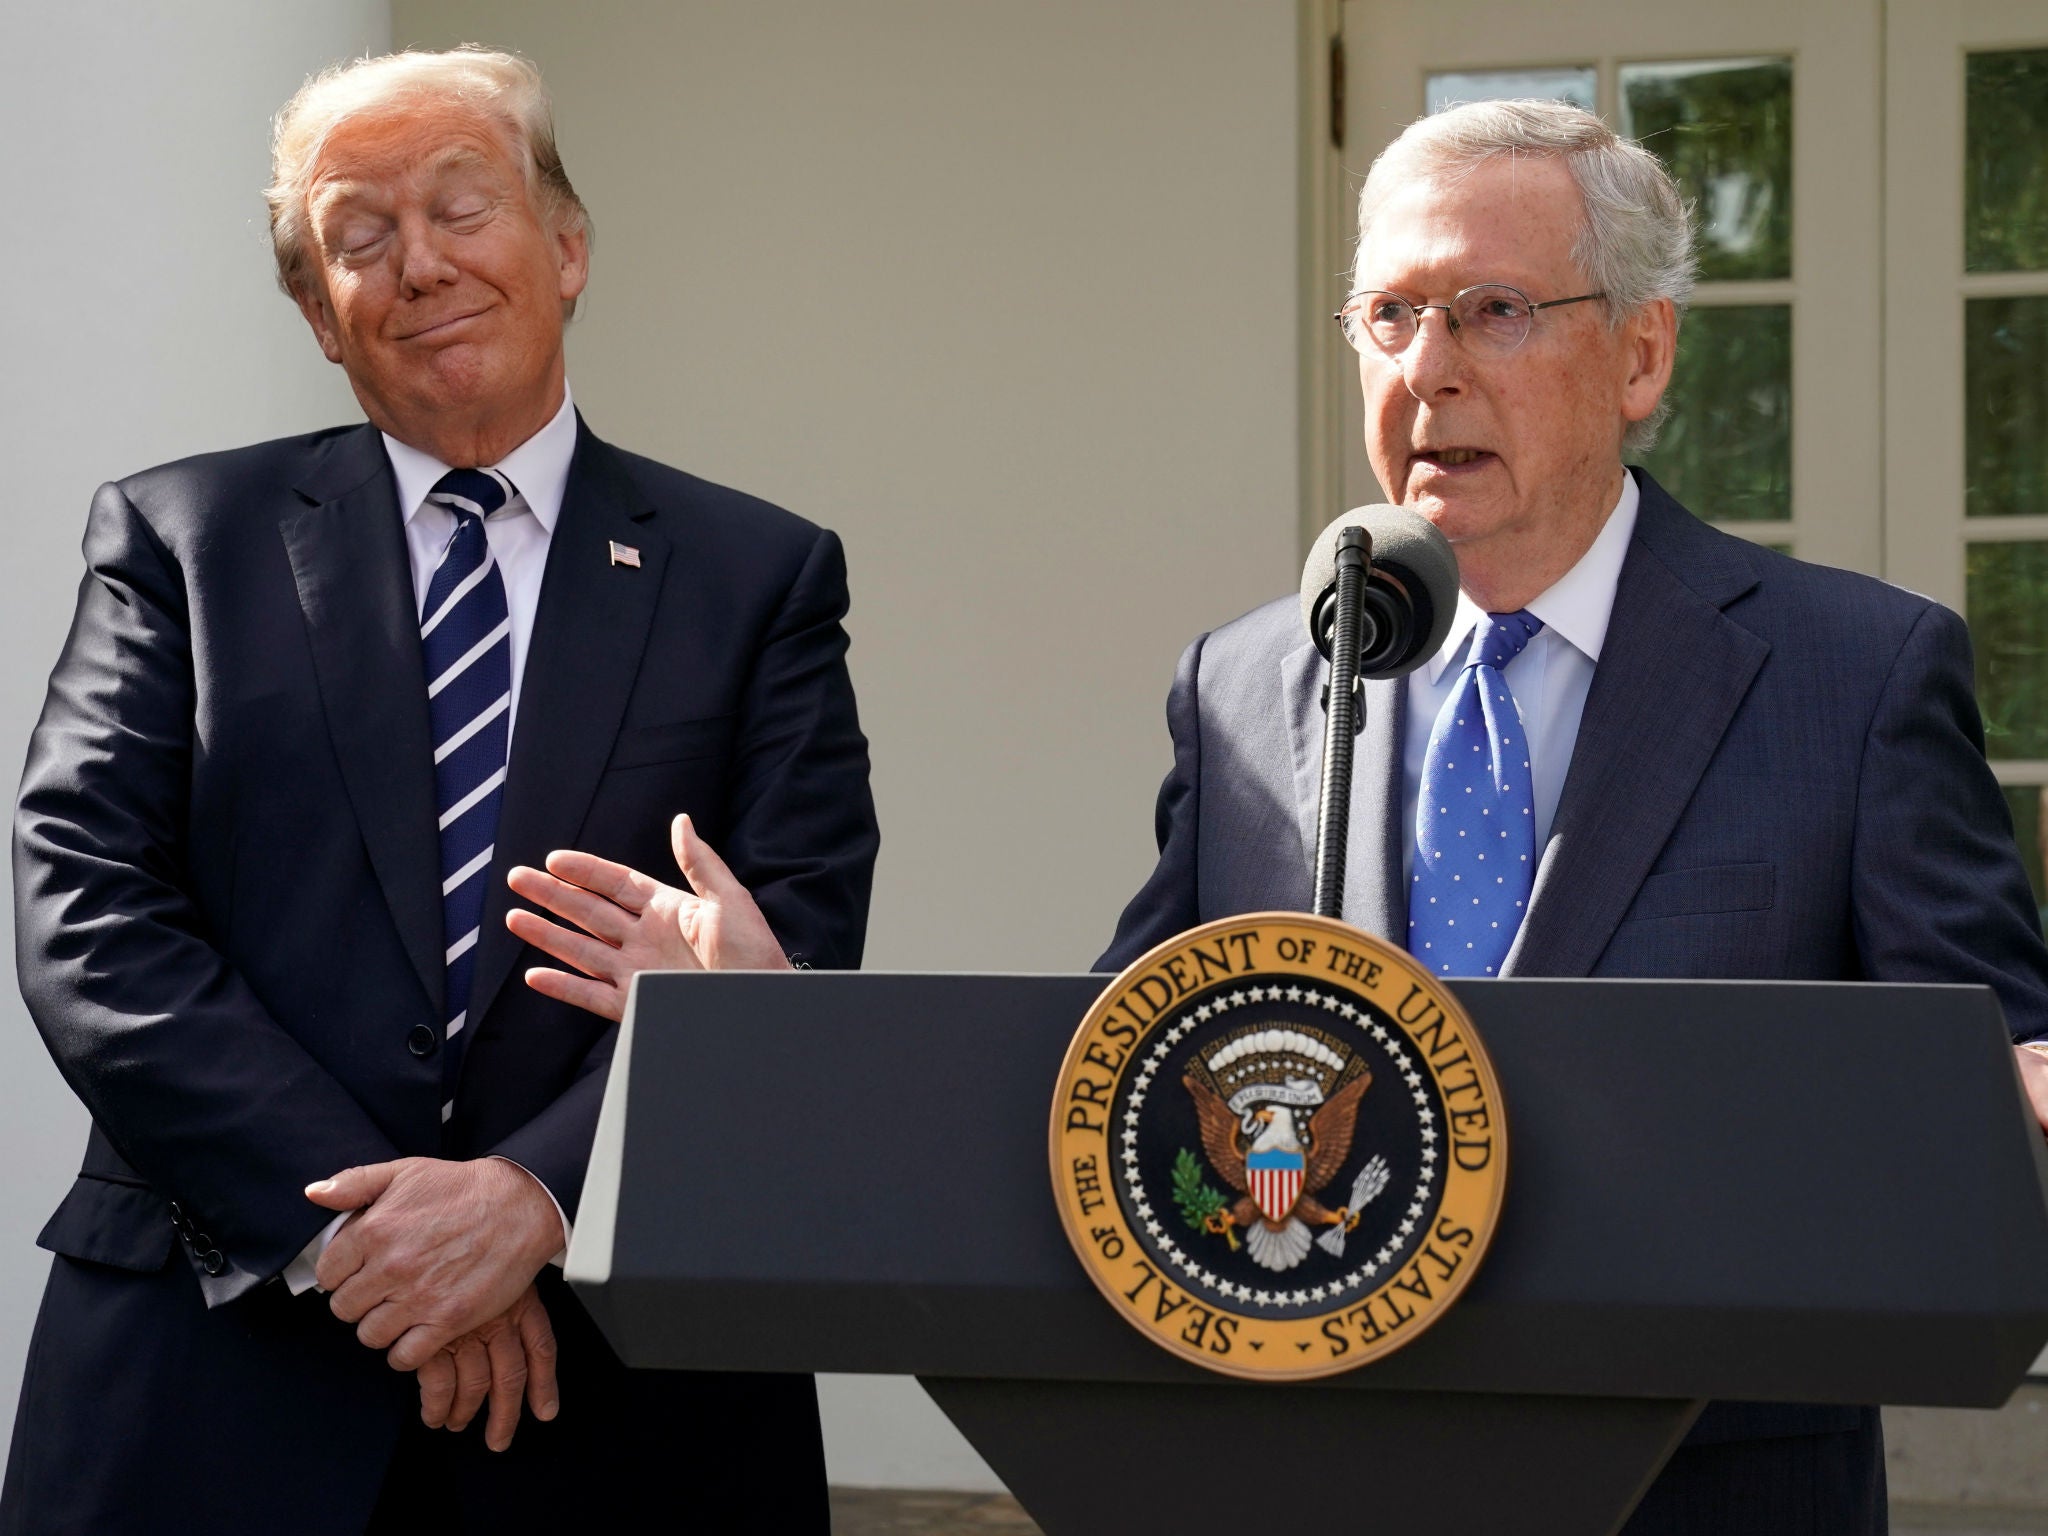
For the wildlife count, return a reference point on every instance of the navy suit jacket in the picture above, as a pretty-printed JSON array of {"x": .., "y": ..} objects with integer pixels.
[
  {"x": 228, "y": 913},
  {"x": 1779, "y": 774}
]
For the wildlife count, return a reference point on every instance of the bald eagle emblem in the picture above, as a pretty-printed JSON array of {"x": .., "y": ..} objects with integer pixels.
[{"x": 1277, "y": 1109}]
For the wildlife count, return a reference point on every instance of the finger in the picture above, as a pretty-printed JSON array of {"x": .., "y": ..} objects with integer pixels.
[
  {"x": 598, "y": 915},
  {"x": 537, "y": 1336},
  {"x": 367, "y": 1288},
  {"x": 508, "y": 1387},
  {"x": 628, "y": 887},
  {"x": 382, "y": 1325},
  {"x": 418, "y": 1344},
  {"x": 353, "y": 1188},
  {"x": 437, "y": 1390},
  {"x": 345, "y": 1254},
  {"x": 598, "y": 997},
  {"x": 472, "y": 1381},
  {"x": 593, "y": 957},
  {"x": 704, "y": 869}
]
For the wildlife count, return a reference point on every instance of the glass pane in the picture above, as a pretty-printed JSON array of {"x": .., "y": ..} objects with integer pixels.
[
  {"x": 1723, "y": 128},
  {"x": 1726, "y": 452},
  {"x": 2005, "y": 163},
  {"x": 1575, "y": 85},
  {"x": 2007, "y": 605},
  {"x": 2005, "y": 407},
  {"x": 2028, "y": 824}
]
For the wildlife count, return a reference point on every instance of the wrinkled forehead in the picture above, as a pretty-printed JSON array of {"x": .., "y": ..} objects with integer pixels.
[
  {"x": 407, "y": 141},
  {"x": 1509, "y": 219}
]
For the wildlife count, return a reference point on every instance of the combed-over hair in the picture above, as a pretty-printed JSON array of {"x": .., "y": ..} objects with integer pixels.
[
  {"x": 1636, "y": 243},
  {"x": 499, "y": 85}
]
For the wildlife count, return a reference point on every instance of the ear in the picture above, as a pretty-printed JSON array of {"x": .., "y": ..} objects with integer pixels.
[
  {"x": 573, "y": 260},
  {"x": 1650, "y": 345},
  {"x": 311, "y": 298}
]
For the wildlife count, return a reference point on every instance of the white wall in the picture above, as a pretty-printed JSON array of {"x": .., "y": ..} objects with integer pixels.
[
  {"x": 1005, "y": 294},
  {"x": 137, "y": 324}
]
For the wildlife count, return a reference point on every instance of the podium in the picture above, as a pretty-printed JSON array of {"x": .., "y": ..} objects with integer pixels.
[{"x": 1764, "y": 1191}]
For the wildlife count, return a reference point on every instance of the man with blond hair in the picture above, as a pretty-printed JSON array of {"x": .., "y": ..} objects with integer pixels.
[
  {"x": 321, "y": 700},
  {"x": 1725, "y": 763}
]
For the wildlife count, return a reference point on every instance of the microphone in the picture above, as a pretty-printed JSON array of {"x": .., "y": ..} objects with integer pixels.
[
  {"x": 1377, "y": 594},
  {"x": 1410, "y": 594}
]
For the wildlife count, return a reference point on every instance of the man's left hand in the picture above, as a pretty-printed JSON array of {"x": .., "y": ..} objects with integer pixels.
[
  {"x": 442, "y": 1248},
  {"x": 2034, "y": 1078}
]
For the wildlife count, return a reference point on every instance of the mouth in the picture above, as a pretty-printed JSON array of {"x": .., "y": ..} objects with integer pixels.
[
  {"x": 439, "y": 326},
  {"x": 1450, "y": 460}
]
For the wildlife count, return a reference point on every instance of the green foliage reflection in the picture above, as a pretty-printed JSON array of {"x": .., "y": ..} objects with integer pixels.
[
  {"x": 1723, "y": 128},
  {"x": 2007, "y": 605},
  {"x": 2024, "y": 801},
  {"x": 2005, "y": 162},
  {"x": 1726, "y": 452},
  {"x": 2005, "y": 407}
]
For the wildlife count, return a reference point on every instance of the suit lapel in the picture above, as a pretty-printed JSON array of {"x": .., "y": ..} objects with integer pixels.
[
  {"x": 1672, "y": 672},
  {"x": 354, "y": 581},
  {"x": 588, "y": 635},
  {"x": 1372, "y": 869}
]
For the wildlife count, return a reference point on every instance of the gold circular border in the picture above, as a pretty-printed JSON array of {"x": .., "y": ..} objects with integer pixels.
[{"x": 1083, "y": 1229}]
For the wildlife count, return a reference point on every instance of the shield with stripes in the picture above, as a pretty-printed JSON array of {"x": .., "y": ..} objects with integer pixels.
[{"x": 1275, "y": 1178}]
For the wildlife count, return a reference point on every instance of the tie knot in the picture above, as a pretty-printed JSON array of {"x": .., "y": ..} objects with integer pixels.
[
  {"x": 476, "y": 492},
  {"x": 1501, "y": 637}
]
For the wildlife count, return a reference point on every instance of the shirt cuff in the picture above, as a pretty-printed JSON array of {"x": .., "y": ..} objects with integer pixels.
[
  {"x": 299, "y": 1273},
  {"x": 561, "y": 1255}
]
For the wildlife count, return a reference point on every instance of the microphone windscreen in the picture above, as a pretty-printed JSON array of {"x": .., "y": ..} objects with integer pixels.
[{"x": 1413, "y": 569}]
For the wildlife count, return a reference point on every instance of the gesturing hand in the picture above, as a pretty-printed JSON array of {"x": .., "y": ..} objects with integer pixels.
[
  {"x": 2034, "y": 1078},
  {"x": 509, "y": 1359},
  {"x": 443, "y": 1248},
  {"x": 632, "y": 922}
]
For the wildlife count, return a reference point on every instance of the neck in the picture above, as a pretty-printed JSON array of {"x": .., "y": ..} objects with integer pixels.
[
  {"x": 476, "y": 438},
  {"x": 1509, "y": 570}
]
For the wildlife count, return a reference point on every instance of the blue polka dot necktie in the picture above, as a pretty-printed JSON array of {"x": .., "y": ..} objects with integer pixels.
[
  {"x": 465, "y": 635},
  {"x": 1475, "y": 820}
]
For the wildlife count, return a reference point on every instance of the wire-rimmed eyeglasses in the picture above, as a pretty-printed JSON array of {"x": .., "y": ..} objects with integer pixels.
[{"x": 1489, "y": 319}]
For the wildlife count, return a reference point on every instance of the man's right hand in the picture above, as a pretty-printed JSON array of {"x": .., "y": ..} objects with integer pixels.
[{"x": 510, "y": 1360}]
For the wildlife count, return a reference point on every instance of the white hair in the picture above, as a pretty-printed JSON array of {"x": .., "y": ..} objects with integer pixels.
[
  {"x": 497, "y": 85},
  {"x": 1635, "y": 245}
]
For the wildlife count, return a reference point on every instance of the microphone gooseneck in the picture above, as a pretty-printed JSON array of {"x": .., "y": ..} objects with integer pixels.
[{"x": 1352, "y": 560}]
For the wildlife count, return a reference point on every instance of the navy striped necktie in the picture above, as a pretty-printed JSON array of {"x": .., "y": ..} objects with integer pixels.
[{"x": 466, "y": 637}]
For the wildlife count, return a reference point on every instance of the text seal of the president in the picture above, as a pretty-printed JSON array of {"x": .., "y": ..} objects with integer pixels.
[{"x": 1278, "y": 1146}]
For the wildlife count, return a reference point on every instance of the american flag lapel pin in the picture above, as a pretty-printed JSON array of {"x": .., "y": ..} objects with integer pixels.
[{"x": 625, "y": 554}]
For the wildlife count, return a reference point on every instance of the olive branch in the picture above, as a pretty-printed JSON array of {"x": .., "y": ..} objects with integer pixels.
[{"x": 1201, "y": 1203}]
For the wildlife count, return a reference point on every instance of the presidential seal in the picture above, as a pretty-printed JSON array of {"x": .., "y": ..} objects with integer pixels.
[{"x": 1278, "y": 1146}]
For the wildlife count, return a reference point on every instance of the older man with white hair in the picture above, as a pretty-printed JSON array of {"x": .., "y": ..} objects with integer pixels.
[
  {"x": 321, "y": 700},
  {"x": 1730, "y": 763}
]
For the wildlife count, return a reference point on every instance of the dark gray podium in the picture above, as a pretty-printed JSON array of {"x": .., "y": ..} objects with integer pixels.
[{"x": 1769, "y": 1191}]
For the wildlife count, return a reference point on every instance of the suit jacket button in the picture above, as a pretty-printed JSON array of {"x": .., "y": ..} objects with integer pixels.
[
  {"x": 213, "y": 1262},
  {"x": 177, "y": 1214},
  {"x": 200, "y": 1243},
  {"x": 422, "y": 1040}
]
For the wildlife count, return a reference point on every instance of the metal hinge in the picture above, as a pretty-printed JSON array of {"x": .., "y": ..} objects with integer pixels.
[{"x": 1337, "y": 91}]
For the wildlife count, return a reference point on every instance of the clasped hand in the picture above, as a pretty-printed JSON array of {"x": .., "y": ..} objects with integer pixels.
[{"x": 436, "y": 1268}]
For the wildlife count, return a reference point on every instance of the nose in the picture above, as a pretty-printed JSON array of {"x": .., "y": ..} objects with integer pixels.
[
  {"x": 1433, "y": 367},
  {"x": 423, "y": 262}
]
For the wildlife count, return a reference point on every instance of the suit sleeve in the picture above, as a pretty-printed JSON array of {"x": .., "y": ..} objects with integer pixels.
[
  {"x": 1167, "y": 903},
  {"x": 182, "y": 1068},
  {"x": 1937, "y": 888},
  {"x": 799, "y": 830}
]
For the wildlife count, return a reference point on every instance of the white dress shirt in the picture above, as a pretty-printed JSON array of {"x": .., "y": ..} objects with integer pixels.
[
  {"x": 1549, "y": 679},
  {"x": 519, "y": 533}
]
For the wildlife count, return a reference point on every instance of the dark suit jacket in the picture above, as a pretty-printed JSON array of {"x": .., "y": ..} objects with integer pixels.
[
  {"x": 1779, "y": 774},
  {"x": 228, "y": 920}
]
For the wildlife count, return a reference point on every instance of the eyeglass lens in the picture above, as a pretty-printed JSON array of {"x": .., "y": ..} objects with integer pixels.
[{"x": 1489, "y": 319}]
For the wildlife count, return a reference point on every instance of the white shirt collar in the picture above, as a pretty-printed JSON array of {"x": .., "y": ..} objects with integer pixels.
[
  {"x": 539, "y": 467},
  {"x": 1579, "y": 603}
]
